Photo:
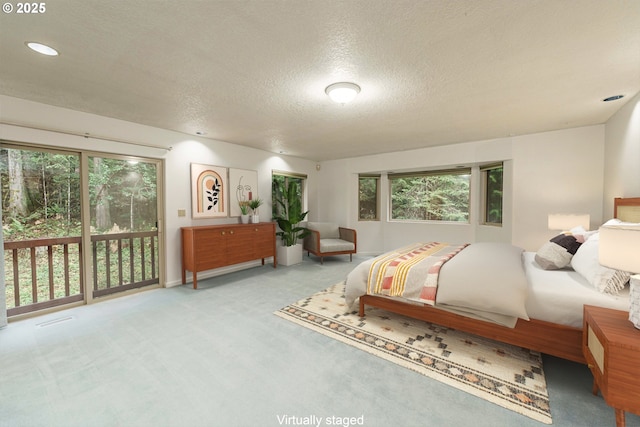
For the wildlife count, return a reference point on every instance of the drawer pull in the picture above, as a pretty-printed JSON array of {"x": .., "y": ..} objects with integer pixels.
[
  {"x": 231, "y": 232},
  {"x": 222, "y": 232}
]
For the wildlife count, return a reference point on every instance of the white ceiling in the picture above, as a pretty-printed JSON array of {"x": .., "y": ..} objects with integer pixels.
[{"x": 254, "y": 72}]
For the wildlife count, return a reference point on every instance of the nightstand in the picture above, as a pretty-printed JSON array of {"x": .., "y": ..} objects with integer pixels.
[{"x": 611, "y": 345}]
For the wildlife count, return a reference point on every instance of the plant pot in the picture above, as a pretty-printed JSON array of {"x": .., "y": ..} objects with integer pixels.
[
  {"x": 289, "y": 255},
  {"x": 244, "y": 219},
  {"x": 255, "y": 218}
]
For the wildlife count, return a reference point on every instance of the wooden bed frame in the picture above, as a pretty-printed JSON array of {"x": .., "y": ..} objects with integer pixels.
[{"x": 546, "y": 337}]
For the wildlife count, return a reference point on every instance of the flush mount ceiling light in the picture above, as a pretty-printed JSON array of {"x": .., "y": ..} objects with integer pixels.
[
  {"x": 42, "y": 48},
  {"x": 342, "y": 92},
  {"x": 613, "y": 98}
]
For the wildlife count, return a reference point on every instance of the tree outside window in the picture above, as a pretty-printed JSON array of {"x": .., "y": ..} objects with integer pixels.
[
  {"x": 492, "y": 178},
  {"x": 431, "y": 196},
  {"x": 368, "y": 197}
]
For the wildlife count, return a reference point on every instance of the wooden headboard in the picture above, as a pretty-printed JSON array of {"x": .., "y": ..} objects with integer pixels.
[{"x": 627, "y": 209}]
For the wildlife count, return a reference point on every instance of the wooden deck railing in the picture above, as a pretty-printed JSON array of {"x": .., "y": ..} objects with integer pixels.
[{"x": 43, "y": 273}]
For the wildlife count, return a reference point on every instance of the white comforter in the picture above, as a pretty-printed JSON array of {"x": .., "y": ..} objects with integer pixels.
[
  {"x": 485, "y": 281},
  {"x": 558, "y": 296}
]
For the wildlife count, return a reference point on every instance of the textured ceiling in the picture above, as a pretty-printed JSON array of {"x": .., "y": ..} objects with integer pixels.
[{"x": 254, "y": 72}]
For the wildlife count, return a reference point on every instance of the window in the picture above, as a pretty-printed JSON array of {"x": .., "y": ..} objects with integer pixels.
[
  {"x": 492, "y": 197},
  {"x": 431, "y": 196},
  {"x": 281, "y": 180},
  {"x": 368, "y": 196}
]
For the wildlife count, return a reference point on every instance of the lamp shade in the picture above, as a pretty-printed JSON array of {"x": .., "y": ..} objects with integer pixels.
[
  {"x": 619, "y": 247},
  {"x": 564, "y": 222}
]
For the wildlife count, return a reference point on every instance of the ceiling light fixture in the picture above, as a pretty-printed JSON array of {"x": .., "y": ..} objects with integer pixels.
[
  {"x": 342, "y": 92},
  {"x": 613, "y": 98},
  {"x": 42, "y": 48}
]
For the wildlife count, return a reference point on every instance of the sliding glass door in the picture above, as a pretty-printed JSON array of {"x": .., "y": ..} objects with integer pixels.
[
  {"x": 41, "y": 226},
  {"x": 75, "y": 222},
  {"x": 123, "y": 203}
]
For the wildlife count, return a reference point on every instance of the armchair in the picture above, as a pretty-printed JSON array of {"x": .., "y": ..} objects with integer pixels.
[{"x": 328, "y": 239}]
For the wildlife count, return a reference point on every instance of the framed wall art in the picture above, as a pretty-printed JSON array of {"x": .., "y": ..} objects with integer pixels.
[
  {"x": 243, "y": 187},
  {"x": 209, "y": 191}
]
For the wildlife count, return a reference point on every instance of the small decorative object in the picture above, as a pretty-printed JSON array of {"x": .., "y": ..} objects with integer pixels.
[
  {"x": 254, "y": 204},
  {"x": 244, "y": 212},
  {"x": 208, "y": 191},
  {"x": 620, "y": 249},
  {"x": 244, "y": 183}
]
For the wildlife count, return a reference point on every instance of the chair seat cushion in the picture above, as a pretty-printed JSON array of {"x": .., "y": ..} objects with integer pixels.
[{"x": 336, "y": 245}]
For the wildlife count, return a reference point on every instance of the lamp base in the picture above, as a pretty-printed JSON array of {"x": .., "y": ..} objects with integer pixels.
[{"x": 634, "y": 300}]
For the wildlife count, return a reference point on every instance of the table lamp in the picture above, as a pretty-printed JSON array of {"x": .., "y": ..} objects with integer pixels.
[
  {"x": 619, "y": 248},
  {"x": 566, "y": 222}
]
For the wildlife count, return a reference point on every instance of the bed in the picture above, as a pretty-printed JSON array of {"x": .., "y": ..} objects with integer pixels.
[{"x": 552, "y": 303}]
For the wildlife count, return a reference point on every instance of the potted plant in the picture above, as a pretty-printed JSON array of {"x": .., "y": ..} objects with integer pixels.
[
  {"x": 254, "y": 205},
  {"x": 244, "y": 212},
  {"x": 289, "y": 209}
]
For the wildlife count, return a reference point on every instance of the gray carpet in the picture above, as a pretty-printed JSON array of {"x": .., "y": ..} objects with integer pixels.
[{"x": 218, "y": 356}]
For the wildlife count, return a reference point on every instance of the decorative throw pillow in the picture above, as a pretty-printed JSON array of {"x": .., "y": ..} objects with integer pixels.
[
  {"x": 557, "y": 252},
  {"x": 604, "y": 279}
]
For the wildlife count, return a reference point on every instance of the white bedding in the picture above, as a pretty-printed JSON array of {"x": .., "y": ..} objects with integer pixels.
[
  {"x": 484, "y": 281},
  {"x": 557, "y": 296}
]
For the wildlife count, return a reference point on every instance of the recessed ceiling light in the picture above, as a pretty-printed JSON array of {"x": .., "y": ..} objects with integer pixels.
[
  {"x": 42, "y": 48},
  {"x": 613, "y": 98}
]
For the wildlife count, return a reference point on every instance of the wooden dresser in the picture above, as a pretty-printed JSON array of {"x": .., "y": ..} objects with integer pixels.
[
  {"x": 611, "y": 346},
  {"x": 214, "y": 246}
]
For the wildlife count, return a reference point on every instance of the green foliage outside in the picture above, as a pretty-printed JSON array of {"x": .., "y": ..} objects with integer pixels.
[
  {"x": 368, "y": 198},
  {"x": 41, "y": 199},
  {"x": 493, "y": 214},
  {"x": 430, "y": 198}
]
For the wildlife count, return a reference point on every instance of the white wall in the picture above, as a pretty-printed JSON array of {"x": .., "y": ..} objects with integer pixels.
[
  {"x": 622, "y": 155},
  {"x": 185, "y": 150},
  {"x": 551, "y": 172},
  {"x": 556, "y": 172}
]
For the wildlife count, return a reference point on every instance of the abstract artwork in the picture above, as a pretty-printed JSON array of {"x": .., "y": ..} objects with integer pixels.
[
  {"x": 243, "y": 185},
  {"x": 209, "y": 191}
]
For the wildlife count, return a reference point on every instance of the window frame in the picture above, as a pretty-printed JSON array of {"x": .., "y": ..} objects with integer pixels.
[
  {"x": 465, "y": 170},
  {"x": 484, "y": 199},
  {"x": 287, "y": 174},
  {"x": 376, "y": 177}
]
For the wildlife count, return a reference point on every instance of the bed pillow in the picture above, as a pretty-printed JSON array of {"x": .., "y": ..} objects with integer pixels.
[
  {"x": 604, "y": 279},
  {"x": 557, "y": 252}
]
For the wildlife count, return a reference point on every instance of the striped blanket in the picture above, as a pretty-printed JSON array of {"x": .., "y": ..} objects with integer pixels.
[{"x": 411, "y": 272}]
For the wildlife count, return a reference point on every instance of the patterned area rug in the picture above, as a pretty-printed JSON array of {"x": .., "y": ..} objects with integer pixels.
[{"x": 509, "y": 376}]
